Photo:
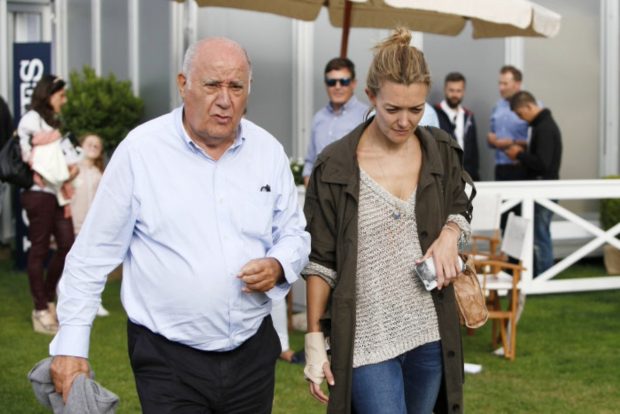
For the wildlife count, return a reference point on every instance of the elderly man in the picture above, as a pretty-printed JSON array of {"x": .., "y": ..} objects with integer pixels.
[
  {"x": 201, "y": 208},
  {"x": 342, "y": 113}
]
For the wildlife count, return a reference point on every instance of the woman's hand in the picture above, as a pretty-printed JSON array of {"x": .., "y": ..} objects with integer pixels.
[
  {"x": 317, "y": 365},
  {"x": 74, "y": 170},
  {"x": 444, "y": 252}
]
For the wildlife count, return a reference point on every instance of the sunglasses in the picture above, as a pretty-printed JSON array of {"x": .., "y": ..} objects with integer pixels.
[{"x": 343, "y": 82}]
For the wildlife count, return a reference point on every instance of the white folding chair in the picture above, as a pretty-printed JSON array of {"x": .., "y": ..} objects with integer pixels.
[
  {"x": 496, "y": 281},
  {"x": 485, "y": 230}
]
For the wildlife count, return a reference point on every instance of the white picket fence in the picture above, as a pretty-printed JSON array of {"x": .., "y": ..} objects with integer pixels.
[
  {"x": 529, "y": 192},
  {"x": 542, "y": 192}
]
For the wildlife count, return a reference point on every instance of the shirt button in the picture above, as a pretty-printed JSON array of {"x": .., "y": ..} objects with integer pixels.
[
  {"x": 451, "y": 354},
  {"x": 456, "y": 407},
  {"x": 423, "y": 234}
]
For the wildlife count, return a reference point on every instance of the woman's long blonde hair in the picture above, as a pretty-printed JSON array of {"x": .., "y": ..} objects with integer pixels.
[{"x": 395, "y": 60}]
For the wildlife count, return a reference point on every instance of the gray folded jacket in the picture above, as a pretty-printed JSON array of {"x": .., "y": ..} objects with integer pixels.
[{"x": 86, "y": 396}]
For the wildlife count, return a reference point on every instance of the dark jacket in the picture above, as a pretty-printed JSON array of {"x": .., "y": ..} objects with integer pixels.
[
  {"x": 331, "y": 209},
  {"x": 470, "y": 139},
  {"x": 544, "y": 155},
  {"x": 6, "y": 123}
]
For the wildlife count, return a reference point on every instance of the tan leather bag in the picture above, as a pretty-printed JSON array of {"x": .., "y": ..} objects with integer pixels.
[{"x": 470, "y": 298}]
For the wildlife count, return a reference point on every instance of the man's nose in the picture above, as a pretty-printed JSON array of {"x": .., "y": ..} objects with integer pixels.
[{"x": 223, "y": 97}]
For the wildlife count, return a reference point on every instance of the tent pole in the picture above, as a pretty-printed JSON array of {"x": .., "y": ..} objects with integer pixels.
[{"x": 346, "y": 25}]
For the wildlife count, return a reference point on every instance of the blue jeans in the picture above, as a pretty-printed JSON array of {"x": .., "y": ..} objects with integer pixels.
[
  {"x": 543, "y": 246},
  {"x": 407, "y": 384}
]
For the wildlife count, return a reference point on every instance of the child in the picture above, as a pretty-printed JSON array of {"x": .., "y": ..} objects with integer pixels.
[{"x": 86, "y": 183}]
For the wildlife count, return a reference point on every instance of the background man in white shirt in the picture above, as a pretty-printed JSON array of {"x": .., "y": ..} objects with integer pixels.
[{"x": 459, "y": 121}]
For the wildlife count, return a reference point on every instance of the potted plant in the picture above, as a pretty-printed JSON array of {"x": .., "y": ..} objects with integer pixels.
[
  {"x": 610, "y": 216},
  {"x": 297, "y": 167},
  {"x": 104, "y": 106}
]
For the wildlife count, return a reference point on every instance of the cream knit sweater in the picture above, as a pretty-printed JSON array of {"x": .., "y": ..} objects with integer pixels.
[{"x": 394, "y": 313}]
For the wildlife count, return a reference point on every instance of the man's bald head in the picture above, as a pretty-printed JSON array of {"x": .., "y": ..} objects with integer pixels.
[{"x": 212, "y": 45}]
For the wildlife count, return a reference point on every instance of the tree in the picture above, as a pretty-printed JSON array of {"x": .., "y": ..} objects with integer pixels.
[{"x": 100, "y": 105}]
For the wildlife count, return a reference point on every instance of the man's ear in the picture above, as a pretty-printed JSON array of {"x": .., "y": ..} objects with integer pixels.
[{"x": 181, "y": 84}]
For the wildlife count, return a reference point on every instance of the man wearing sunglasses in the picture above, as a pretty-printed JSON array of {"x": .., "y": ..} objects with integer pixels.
[{"x": 336, "y": 119}]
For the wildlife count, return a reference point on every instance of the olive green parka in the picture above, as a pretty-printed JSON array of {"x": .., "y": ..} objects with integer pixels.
[{"x": 331, "y": 209}]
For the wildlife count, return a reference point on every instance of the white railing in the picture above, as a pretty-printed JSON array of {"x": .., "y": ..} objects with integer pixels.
[
  {"x": 542, "y": 192},
  {"x": 527, "y": 193}
]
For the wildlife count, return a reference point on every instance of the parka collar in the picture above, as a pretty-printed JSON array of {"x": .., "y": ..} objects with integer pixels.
[{"x": 343, "y": 167}]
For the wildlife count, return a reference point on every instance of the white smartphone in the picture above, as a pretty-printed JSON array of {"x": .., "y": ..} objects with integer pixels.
[{"x": 427, "y": 274}]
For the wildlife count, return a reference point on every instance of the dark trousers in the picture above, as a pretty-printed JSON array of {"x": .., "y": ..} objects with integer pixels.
[
  {"x": 45, "y": 218},
  {"x": 174, "y": 378},
  {"x": 509, "y": 172}
]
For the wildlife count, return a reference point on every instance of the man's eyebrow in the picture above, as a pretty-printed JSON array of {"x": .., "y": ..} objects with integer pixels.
[{"x": 219, "y": 82}]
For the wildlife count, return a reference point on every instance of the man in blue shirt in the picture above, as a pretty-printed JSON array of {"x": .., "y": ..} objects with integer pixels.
[
  {"x": 200, "y": 207},
  {"x": 506, "y": 127},
  {"x": 336, "y": 119}
]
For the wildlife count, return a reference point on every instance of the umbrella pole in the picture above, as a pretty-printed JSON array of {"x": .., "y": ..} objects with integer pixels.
[{"x": 346, "y": 25}]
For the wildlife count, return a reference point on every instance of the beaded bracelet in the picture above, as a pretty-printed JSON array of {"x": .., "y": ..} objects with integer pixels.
[{"x": 452, "y": 228}]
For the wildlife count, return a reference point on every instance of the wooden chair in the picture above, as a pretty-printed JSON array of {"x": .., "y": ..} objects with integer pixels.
[
  {"x": 485, "y": 231},
  {"x": 497, "y": 282}
]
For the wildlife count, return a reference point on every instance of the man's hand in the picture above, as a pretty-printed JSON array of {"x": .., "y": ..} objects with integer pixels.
[
  {"x": 261, "y": 275},
  {"x": 513, "y": 151},
  {"x": 498, "y": 143},
  {"x": 64, "y": 369},
  {"x": 501, "y": 143}
]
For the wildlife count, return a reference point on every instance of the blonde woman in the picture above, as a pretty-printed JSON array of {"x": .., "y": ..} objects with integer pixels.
[{"x": 382, "y": 199}]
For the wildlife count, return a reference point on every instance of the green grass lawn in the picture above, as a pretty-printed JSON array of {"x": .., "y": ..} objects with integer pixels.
[{"x": 567, "y": 356}]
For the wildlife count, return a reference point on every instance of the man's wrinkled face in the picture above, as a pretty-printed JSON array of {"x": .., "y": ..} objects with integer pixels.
[
  {"x": 215, "y": 92},
  {"x": 454, "y": 93}
]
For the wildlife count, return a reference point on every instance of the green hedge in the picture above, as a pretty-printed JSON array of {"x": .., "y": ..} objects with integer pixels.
[
  {"x": 610, "y": 210},
  {"x": 102, "y": 105}
]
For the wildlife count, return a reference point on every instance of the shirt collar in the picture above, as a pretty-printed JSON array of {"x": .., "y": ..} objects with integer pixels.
[
  {"x": 451, "y": 111},
  {"x": 178, "y": 115},
  {"x": 345, "y": 107}
]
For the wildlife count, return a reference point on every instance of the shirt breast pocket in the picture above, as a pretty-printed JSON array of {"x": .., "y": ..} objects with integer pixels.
[{"x": 257, "y": 215}]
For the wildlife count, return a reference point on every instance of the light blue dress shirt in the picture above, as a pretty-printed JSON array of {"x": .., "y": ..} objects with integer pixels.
[
  {"x": 506, "y": 124},
  {"x": 329, "y": 126},
  {"x": 184, "y": 225},
  {"x": 430, "y": 116}
]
